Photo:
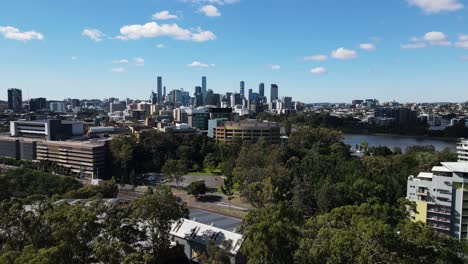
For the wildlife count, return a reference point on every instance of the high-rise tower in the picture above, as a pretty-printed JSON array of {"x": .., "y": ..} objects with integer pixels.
[
  {"x": 273, "y": 92},
  {"x": 242, "y": 88},
  {"x": 160, "y": 96}
]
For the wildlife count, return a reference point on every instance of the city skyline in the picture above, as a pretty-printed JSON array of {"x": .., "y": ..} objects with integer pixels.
[{"x": 315, "y": 51}]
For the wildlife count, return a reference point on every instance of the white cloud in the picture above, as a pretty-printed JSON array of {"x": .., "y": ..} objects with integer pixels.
[
  {"x": 316, "y": 58},
  {"x": 462, "y": 42},
  {"x": 164, "y": 15},
  {"x": 437, "y": 38},
  {"x": 197, "y": 64},
  {"x": 93, "y": 34},
  {"x": 344, "y": 54},
  {"x": 274, "y": 67},
  {"x": 160, "y": 46},
  {"x": 209, "y": 11},
  {"x": 367, "y": 46},
  {"x": 418, "y": 45},
  {"x": 120, "y": 69},
  {"x": 436, "y": 6},
  {"x": 153, "y": 30},
  {"x": 16, "y": 34},
  {"x": 139, "y": 61},
  {"x": 318, "y": 70},
  {"x": 123, "y": 61}
]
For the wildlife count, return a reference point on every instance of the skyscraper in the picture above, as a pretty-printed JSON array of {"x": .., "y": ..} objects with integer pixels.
[
  {"x": 250, "y": 94},
  {"x": 15, "y": 99},
  {"x": 203, "y": 86},
  {"x": 242, "y": 88},
  {"x": 154, "y": 98},
  {"x": 37, "y": 104},
  {"x": 198, "y": 96},
  {"x": 261, "y": 89},
  {"x": 160, "y": 97},
  {"x": 273, "y": 92}
]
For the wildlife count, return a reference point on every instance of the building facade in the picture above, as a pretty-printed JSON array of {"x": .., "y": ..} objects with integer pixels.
[
  {"x": 248, "y": 130},
  {"x": 441, "y": 198},
  {"x": 15, "y": 99},
  {"x": 462, "y": 150},
  {"x": 86, "y": 158}
]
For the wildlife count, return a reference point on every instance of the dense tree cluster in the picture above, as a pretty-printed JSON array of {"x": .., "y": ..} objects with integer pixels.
[
  {"x": 344, "y": 210},
  {"x": 151, "y": 151},
  {"x": 353, "y": 125},
  {"x": 35, "y": 230}
]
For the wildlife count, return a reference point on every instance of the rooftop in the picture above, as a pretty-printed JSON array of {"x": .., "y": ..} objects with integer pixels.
[
  {"x": 202, "y": 234},
  {"x": 456, "y": 166}
]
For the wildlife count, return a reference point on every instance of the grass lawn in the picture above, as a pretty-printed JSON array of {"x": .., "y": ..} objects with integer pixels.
[{"x": 204, "y": 173}]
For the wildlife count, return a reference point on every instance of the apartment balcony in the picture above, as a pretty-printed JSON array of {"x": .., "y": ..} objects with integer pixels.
[
  {"x": 441, "y": 212},
  {"x": 438, "y": 219},
  {"x": 422, "y": 193},
  {"x": 440, "y": 227}
]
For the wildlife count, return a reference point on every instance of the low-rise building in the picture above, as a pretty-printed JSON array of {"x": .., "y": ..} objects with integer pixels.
[
  {"x": 47, "y": 129},
  {"x": 248, "y": 130},
  {"x": 88, "y": 158}
]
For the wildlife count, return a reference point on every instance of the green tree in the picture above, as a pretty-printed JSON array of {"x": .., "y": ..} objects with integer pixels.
[
  {"x": 123, "y": 151},
  {"x": 215, "y": 254},
  {"x": 197, "y": 189},
  {"x": 210, "y": 162},
  {"x": 155, "y": 214},
  {"x": 175, "y": 169},
  {"x": 271, "y": 234}
]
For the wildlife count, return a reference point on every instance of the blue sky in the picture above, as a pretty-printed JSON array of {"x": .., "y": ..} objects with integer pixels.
[{"x": 315, "y": 50}]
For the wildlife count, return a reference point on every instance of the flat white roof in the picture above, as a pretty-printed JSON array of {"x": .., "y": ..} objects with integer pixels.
[
  {"x": 427, "y": 175},
  {"x": 440, "y": 169},
  {"x": 202, "y": 234},
  {"x": 456, "y": 166}
]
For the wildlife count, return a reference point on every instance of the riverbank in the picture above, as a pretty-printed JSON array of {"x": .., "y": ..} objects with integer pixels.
[
  {"x": 447, "y": 139},
  {"x": 399, "y": 141}
]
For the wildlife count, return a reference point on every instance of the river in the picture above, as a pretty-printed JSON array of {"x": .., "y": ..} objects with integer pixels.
[{"x": 398, "y": 141}]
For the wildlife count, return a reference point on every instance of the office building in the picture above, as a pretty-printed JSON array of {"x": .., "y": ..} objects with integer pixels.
[
  {"x": 400, "y": 115},
  {"x": 248, "y": 130},
  {"x": 114, "y": 107},
  {"x": 198, "y": 96},
  {"x": 17, "y": 148},
  {"x": 242, "y": 88},
  {"x": 57, "y": 107},
  {"x": 160, "y": 97},
  {"x": 36, "y": 104},
  {"x": 236, "y": 99},
  {"x": 198, "y": 118},
  {"x": 154, "y": 98},
  {"x": 261, "y": 89},
  {"x": 47, "y": 129},
  {"x": 15, "y": 99},
  {"x": 203, "y": 90},
  {"x": 273, "y": 93},
  {"x": 87, "y": 158}
]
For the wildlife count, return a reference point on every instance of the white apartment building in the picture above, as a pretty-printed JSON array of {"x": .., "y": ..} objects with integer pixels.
[
  {"x": 441, "y": 196},
  {"x": 462, "y": 150}
]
